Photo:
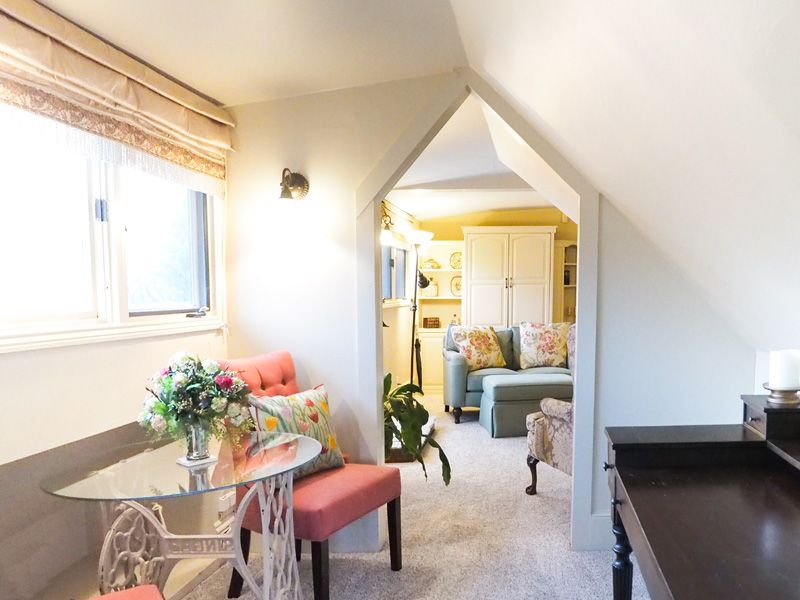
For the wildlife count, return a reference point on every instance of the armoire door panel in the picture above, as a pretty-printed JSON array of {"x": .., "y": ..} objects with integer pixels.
[
  {"x": 529, "y": 302},
  {"x": 530, "y": 257},
  {"x": 487, "y": 305},
  {"x": 488, "y": 257}
]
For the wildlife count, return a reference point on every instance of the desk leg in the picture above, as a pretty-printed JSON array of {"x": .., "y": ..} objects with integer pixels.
[{"x": 622, "y": 567}]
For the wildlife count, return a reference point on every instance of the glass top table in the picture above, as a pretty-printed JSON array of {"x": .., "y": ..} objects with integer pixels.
[
  {"x": 149, "y": 471},
  {"x": 139, "y": 549}
]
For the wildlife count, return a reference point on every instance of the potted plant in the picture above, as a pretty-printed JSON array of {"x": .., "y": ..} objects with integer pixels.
[
  {"x": 192, "y": 399},
  {"x": 403, "y": 420}
]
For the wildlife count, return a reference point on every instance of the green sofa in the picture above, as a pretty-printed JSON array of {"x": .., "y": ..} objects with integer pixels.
[{"x": 507, "y": 395}]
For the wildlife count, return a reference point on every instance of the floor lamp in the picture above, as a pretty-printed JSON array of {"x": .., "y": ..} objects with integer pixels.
[{"x": 417, "y": 237}]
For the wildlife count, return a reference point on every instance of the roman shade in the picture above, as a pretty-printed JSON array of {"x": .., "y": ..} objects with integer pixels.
[{"x": 53, "y": 67}]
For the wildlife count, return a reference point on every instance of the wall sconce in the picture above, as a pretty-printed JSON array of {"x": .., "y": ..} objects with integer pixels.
[
  {"x": 387, "y": 235},
  {"x": 293, "y": 186}
]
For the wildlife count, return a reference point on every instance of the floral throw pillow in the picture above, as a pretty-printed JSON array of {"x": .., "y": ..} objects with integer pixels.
[
  {"x": 306, "y": 413},
  {"x": 543, "y": 345},
  {"x": 479, "y": 346}
]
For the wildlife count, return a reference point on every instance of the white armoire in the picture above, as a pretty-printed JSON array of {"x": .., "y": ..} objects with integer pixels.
[{"x": 507, "y": 275}]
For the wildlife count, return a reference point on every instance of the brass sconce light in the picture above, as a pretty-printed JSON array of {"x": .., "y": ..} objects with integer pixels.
[{"x": 293, "y": 186}]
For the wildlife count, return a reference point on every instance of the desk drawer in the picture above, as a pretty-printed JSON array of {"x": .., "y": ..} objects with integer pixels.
[{"x": 755, "y": 419}]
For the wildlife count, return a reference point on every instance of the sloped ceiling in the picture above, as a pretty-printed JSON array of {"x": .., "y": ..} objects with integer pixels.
[
  {"x": 685, "y": 115},
  {"x": 241, "y": 51}
]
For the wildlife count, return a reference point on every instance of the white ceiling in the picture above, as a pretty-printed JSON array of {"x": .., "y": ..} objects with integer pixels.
[
  {"x": 430, "y": 204},
  {"x": 685, "y": 115},
  {"x": 462, "y": 152},
  {"x": 241, "y": 51}
]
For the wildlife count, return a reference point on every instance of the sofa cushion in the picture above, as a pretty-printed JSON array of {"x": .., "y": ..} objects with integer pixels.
[
  {"x": 509, "y": 388},
  {"x": 508, "y": 338},
  {"x": 545, "y": 371},
  {"x": 475, "y": 378},
  {"x": 543, "y": 344},
  {"x": 479, "y": 345}
]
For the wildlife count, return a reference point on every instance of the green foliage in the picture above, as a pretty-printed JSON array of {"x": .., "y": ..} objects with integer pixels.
[{"x": 403, "y": 419}]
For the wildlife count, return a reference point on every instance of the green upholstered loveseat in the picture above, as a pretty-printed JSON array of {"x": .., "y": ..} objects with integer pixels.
[{"x": 506, "y": 395}]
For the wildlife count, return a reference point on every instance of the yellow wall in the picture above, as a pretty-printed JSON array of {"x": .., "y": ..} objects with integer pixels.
[{"x": 449, "y": 228}]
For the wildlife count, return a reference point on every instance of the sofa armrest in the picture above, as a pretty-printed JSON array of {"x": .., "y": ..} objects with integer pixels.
[{"x": 455, "y": 378}]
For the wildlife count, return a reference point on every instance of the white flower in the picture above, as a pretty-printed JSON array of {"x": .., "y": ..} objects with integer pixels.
[
  {"x": 144, "y": 417},
  {"x": 179, "y": 358},
  {"x": 158, "y": 423},
  {"x": 149, "y": 402},
  {"x": 218, "y": 404},
  {"x": 237, "y": 420},
  {"x": 234, "y": 410},
  {"x": 210, "y": 366},
  {"x": 178, "y": 380}
]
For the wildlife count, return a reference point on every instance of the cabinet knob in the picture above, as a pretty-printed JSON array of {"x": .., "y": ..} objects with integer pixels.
[
  {"x": 607, "y": 466},
  {"x": 753, "y": 419}
]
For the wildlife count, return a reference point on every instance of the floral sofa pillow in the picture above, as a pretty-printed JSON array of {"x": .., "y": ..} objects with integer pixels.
[
  {"x": 479, "y": 346},
  {"x": 543, "y": 345},
  {"x": 306, "y": 413}
]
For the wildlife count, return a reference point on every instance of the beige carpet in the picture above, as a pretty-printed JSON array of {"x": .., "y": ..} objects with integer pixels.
[{"x": 481, "y": 538}]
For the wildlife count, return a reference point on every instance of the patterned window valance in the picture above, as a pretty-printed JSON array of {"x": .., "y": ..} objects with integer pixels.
[{"x": 50, "y": 66}]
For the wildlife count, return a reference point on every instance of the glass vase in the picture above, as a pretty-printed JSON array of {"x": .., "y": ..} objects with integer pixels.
[{"x": 197, "y": 441}]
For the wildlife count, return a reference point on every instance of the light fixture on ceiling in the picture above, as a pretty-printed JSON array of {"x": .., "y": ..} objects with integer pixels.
[{"x": 293, "y": 186}]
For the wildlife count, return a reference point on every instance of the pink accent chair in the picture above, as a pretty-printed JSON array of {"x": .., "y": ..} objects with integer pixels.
[
  {"x": 326, "y": 501},
  {"x": 142, "y": 592}
]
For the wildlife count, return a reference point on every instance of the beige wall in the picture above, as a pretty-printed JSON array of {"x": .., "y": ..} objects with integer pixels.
[
  {"x": 449, "y": 228},
  {"x": 292, "y": 265}
]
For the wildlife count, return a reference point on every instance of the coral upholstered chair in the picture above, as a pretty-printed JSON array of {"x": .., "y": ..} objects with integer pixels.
[
  {"x": 142, "y": 592},
  {"x": 326, "y": 501}
]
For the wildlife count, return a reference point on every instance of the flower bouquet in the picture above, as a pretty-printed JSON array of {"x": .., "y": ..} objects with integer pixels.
[{"x": 192, "y": 398}]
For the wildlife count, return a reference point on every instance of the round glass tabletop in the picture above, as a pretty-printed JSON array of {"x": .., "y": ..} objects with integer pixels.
[{"x": 149, "y": 471}]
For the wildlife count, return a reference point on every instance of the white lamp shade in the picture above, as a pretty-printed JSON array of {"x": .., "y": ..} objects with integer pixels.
[
  {"x": 388, "y": 238},
  {"x": 418, "y": 237}
]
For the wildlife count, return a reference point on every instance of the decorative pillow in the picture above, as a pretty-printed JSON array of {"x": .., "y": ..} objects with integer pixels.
[
  {"x": 543, "y": 345},
  {"x": 479, "y": 346},
  {"x": 306, "y": 413}
]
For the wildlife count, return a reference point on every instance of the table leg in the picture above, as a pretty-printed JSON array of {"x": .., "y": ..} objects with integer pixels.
[
  {"x": 281, "y": 578},
  {"x": 622, "y": 567}
]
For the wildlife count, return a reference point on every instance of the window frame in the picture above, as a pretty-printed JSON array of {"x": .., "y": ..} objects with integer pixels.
[
  {"x": 111, "y": 320},
  {"x": 396, "y": 301}
]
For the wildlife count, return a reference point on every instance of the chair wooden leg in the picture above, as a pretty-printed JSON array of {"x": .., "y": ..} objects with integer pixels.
[
  {"x": 457, "y": 414},
  {"x": 320, "y": 569},
  {"x": 531, "y": 489},
  {"x": 298, "y": 548},
  {"x": 235, "y": 587},
  {"x": 446, "y": 408},
  {"x": 395, "y": 536}
]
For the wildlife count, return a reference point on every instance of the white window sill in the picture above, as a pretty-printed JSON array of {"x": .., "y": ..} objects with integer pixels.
[
  {"x": 21, "y": 342},
  {"x": 396, "y": 303}
]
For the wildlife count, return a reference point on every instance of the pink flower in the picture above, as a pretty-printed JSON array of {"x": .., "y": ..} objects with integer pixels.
[
  {"x": 165, "y": 371},
  {"x": 303, "y": 426},
  {"x": 224, "y": 381}
]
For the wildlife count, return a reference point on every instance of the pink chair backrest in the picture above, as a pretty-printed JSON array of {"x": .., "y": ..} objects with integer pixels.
[{"x": 270, "y": 374}]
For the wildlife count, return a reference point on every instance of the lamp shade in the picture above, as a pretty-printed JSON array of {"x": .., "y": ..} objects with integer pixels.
[{"x": 388, "y": 238}]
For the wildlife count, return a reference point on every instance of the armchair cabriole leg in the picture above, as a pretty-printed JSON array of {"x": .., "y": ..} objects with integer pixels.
[
  {"x": 395, "y": 536},
  {"x": 457, "y": 414},
  {"x": 531, "y": 489},
  {"x": 446, "y": 408},
  {"x": 298, "y": 548},
  {"x": 235, "y": 587}
]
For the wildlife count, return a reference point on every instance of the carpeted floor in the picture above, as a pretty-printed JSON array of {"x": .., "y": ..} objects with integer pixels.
[{"x": 481, "y": 538}]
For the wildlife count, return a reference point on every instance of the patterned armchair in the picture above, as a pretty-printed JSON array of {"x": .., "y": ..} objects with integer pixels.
[
  {"x": 550, "y": 430},
  {"x": 550, "y": 438}
]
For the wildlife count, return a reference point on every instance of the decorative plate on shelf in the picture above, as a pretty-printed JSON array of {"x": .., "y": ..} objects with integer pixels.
[
  {"x": 455, "y": 260},
  {"x": 455, "y": 285},
  {"x": 431, "y": 264}
]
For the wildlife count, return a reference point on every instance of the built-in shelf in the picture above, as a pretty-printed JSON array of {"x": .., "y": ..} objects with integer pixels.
[
  {"x": 439, "y": 298},
  {"x": 570, "y": 264},
  {"x": 570, "y": 285}
]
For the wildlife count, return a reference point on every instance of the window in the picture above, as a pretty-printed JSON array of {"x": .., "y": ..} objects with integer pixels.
[
  {"x": 86, "y": 243},
  {"x": 165, "y": 245},
  {"x": 393, "y": 273}
]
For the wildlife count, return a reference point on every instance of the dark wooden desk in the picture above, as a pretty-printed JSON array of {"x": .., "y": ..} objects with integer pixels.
[{"x": 712, "y": 512}]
